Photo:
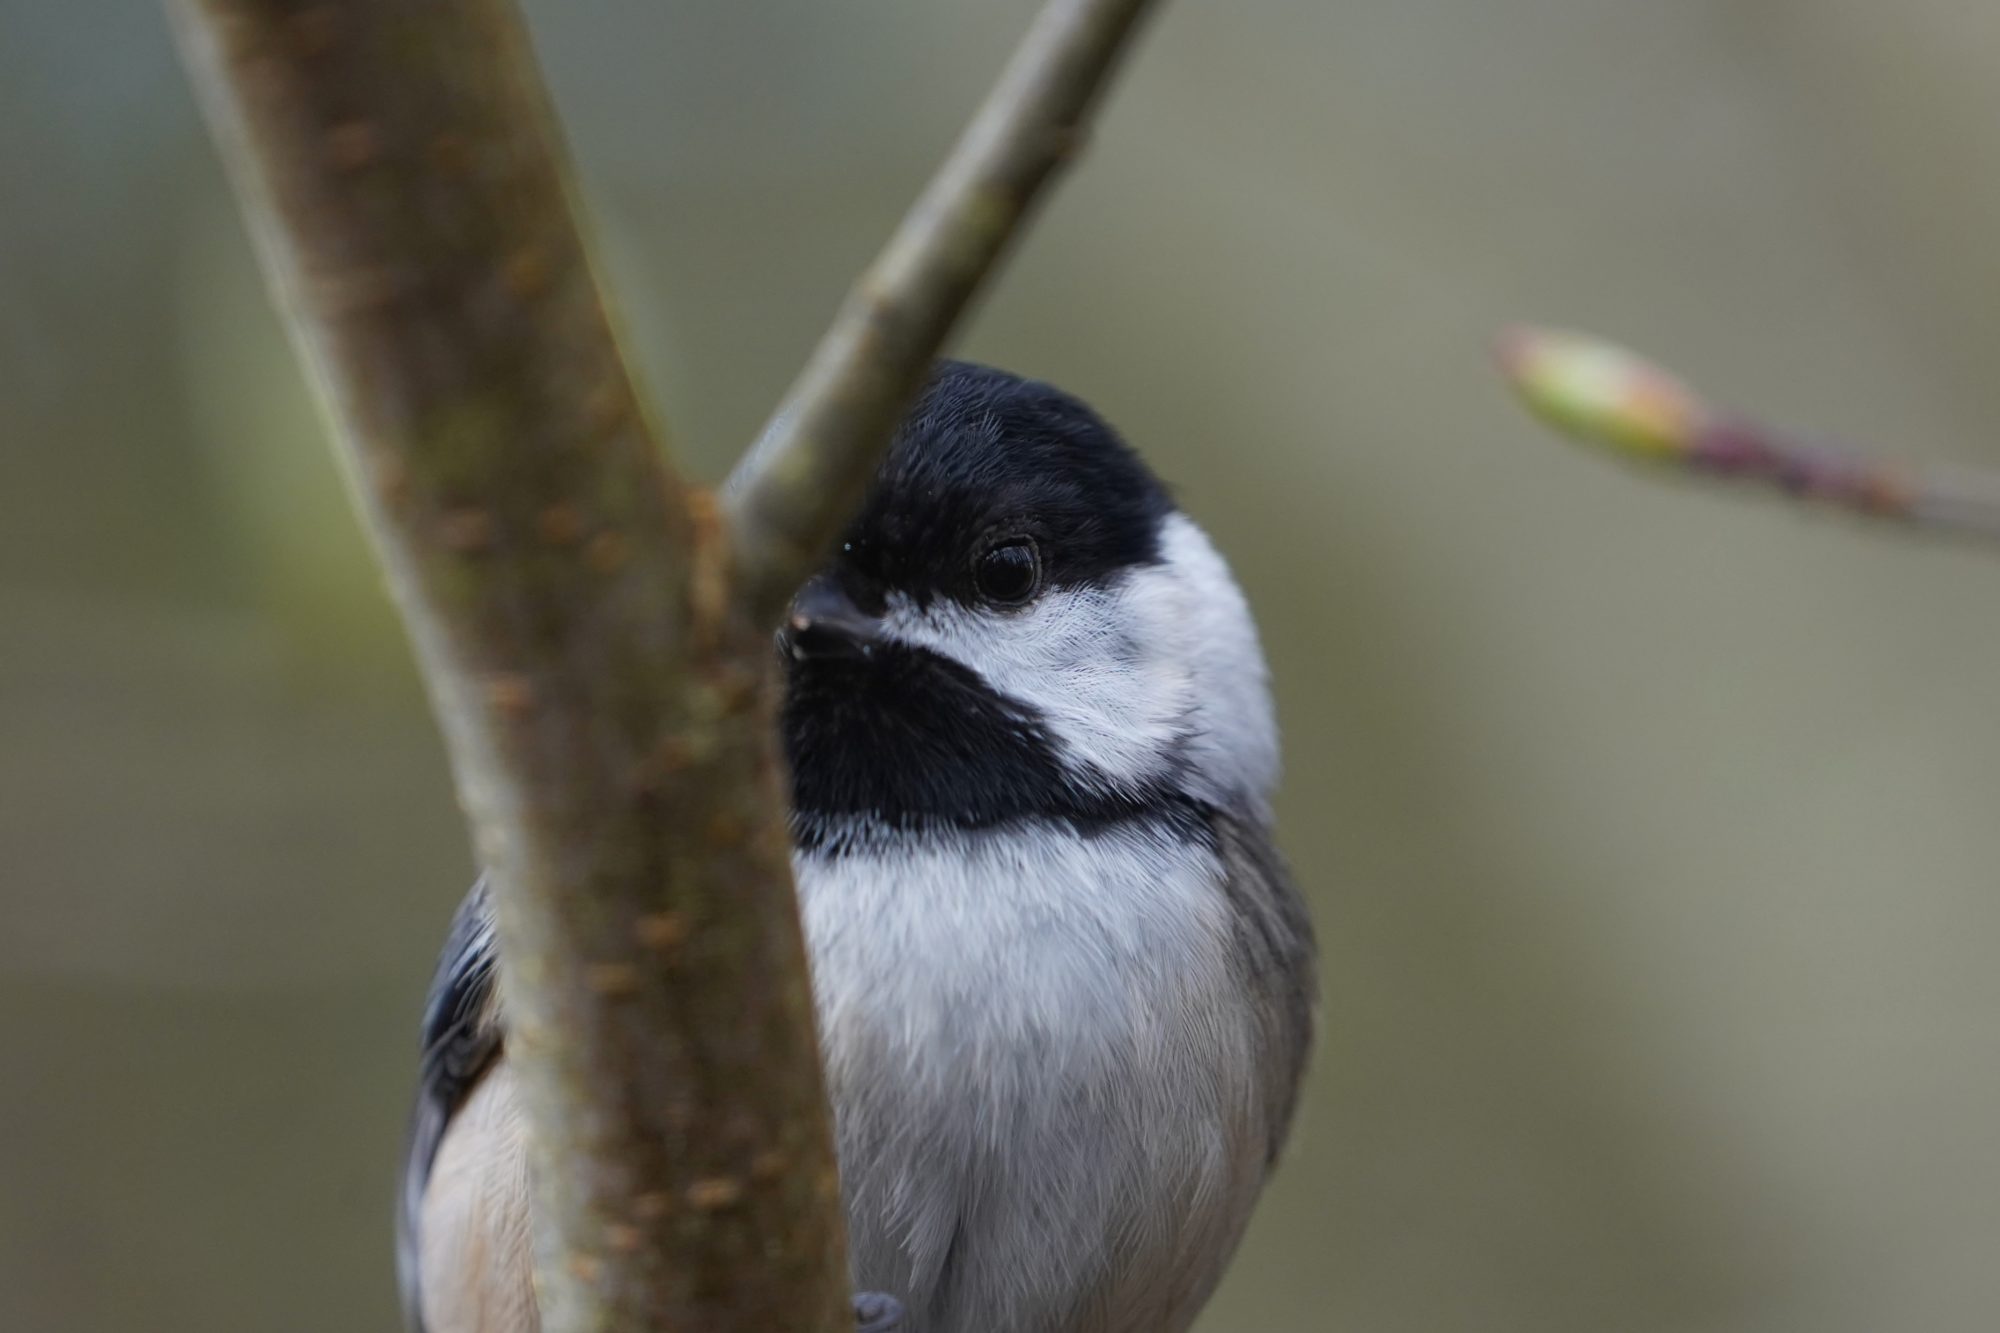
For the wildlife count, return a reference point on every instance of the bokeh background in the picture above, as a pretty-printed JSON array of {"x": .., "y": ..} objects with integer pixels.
[{"x": 1651, "y": 832}]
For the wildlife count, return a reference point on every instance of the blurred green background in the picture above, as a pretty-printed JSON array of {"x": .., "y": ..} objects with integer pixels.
[{"x": 1651, "y": 832}]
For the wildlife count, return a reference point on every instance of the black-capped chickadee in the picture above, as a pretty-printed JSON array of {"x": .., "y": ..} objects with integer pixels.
[{"x": 1064, "y": 985}]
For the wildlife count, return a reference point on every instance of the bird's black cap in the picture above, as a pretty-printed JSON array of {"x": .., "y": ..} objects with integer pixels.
[{"x": 985, "y": 455}]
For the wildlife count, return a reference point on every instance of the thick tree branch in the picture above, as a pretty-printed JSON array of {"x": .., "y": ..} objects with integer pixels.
[
  {"x": 601, "y": 672},
  {"x": 1606, "y": 396},
  {"x": 604, "y": 703},
  {"x": 791, "y": 494}
]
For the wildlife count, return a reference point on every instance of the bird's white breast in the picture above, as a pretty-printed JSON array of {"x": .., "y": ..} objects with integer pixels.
[{"x": 1038, "y": 1058}]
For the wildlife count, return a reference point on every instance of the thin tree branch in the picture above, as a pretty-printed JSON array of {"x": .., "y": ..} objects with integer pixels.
[
  {"x": 1605, "y": 396},
  {"x": 789, "y": 497},
  {"x": 601, "y": 672},
  {"x": 604, "y": 701}
]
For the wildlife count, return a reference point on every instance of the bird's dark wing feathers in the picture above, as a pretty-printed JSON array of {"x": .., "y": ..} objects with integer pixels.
[
  {"x": 460, "y": 1039},
  {"x": 1276, "y": 950}
]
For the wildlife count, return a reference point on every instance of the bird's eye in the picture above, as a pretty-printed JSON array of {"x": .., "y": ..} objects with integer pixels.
[{"x": 1009, "y": 573}]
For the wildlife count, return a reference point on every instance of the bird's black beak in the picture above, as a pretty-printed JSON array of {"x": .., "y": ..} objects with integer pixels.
[{"x": 825, "y": 622}]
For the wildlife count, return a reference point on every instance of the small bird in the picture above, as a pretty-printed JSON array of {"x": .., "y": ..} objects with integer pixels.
[{"x": 1065, "y": 986}]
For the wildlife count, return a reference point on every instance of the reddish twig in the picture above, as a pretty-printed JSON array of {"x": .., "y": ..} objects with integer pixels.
[{"x": 1606, "y": 396}]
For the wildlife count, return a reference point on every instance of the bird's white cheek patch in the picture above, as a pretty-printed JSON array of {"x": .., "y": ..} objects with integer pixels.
[
  {"x": 1157, "y": 675},
  {"x": 1233, "y": 748},
  {"x": 1095, "y": 663}
]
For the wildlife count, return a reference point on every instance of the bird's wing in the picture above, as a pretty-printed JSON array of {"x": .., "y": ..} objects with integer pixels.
[
  {"x": 460, "y": 1043},
  {"x": 1276, "y": 950}
]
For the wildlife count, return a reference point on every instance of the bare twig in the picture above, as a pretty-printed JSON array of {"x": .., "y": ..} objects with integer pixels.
[
  {"x": 790, "y": 495},
  {"x": 601, "y": 674},
  {"x": 1606, "y": 396}
]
